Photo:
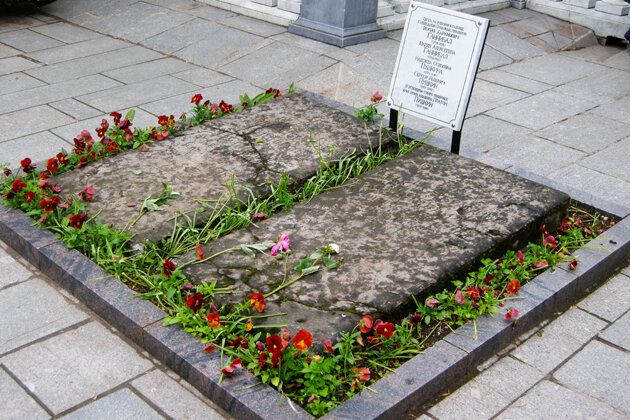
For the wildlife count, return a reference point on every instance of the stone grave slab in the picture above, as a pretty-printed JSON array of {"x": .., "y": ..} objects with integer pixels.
[
  {"x": 253, "y": 146},
  {"x": 403, "y": 229}
]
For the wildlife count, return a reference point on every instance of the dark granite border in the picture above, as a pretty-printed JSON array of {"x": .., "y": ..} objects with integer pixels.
[{"x": 398, "y": 393}]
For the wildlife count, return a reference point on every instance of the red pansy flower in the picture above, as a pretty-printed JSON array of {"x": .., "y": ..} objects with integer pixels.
[
  {"x": 44, "y": 175},
  {"x": 225, "y": 107},
  {"x": 573, "y": 264},
  {"x": 276, "y": 92},
  {"x": 228, "y": 370},
  {"x": 52, "y": 165},
  {"x": 117, "y": 116},
  {"x": 77, "y": 220},
  {"x": 302, "y": 340},
  {"x": 87, "y": 194},
  {"x": 62, "y": 158},
  {"x": 328, "y": 346},
  {"x": 209, "y": 347},
  {"x": 365, "y": 324},
  {"x": 240, "y": 342},
  {"x": 29, "y": 196},
  {"x": 472, "y": 293},
  {"x": 168, "y": 267},
  {"x": 124, "y": 124},
  {"x": 17, "y": 185},
  {"x": 257, "y": 300},
  {"x": 163, "y": 120},
  {"x": 213, "y": 320},
  {"x": 376, "y": 97},
  {"x": 521, "y": 257},
  {"x": 550, "y": 241},
  {"x": 27, "y": 167},
  {"x": 196, "y": 99},
  {"x": 276, "y": 360},
  {"x": 415, "y": 319},
  {"x": 194, "y": 302},
  {"x": 100, "y": 131},
  {"x": 543, "y": 230},
  {"x": 385, "y": 329},
  {"x": 512, "y": 313},
  {"x": 49, "y": 204},
  {"x": 262, "y": 361},
  {"x": 513, "y": 286},
  {"x": 363, "y": 374},
  {"x": 274, "y": 344},
  {"x": 199, "y": 251}
]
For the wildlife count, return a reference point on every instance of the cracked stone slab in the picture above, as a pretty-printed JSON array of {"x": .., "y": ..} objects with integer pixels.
[
  {"x": 403, "y": 228},
  {"x": 254, "y": 146}
]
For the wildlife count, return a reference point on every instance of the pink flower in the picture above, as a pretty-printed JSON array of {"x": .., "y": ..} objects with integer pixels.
[
  {"x": 521, "y": 258},
  {"x": 540, "y": 264},
  {"x": 282, "y": 245},
  {"x": 87, "y": 194},
  {"x": 328, "y": 346},
  {"x": 432, "y": 303},
  {"x": 365, "y": 324},
  {"x": 550, "y": 241},
  {"x": 459, "y": 297},
  {"x": 259, "y": 216},
  {"x": 512, "y": 313},
  {"x": 376, "y": 97}
]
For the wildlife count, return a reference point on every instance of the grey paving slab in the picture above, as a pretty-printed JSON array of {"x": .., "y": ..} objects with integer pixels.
[
  {"x": 66, "y": 32},
  {"x": 179, "y": 37},
  {"x": 177, "y": 104},
  {"x": 78, "y": 50},
  {"x": 302, "y": 71},
  {"x": 308, "y": 43},
  {"x": 511, "y": 45},
  {"x": 488, "y": 393},
  {"x": 370, "y": 69},
  {"x": 587, "y": 132},
  {"x": 75, "y": 109},
  {"x": 617, "y": 333},
  {"x": 497, "y": 18},
  {"x": 554, "y": 69},
  {"x": 175, "y": 4},
  {"x": 27, "y": 40},
  {"x": 32, "y": 120},
  {"x": 542, "y": 110},
  {"x": 11, "y": 271},
  {"x": 254, "y": 26},
  {"x": 210, "y": 13},
  {"x": 137, "y": 93},
  {"x": 602, "y": 87},
  {"x": 38, "y": 309},
  {"x": 613, "y": 161},
  {"x": 15, "y": 64},
  {"x": 491, "y": 58},
  {"x": 171, "y": 397},
  {"x": 38, "y": 147},
  {"x": 86, "y": 10},
  {"x": 599, "y": 370},
  {"x": 148, "y": 70},
  {"x": 483, "y": 133},
  {"x": 120, "y": 404},
  {"x": 618, "y": 110},
  {"x": 495, "y": 95},
  {"x": 6, "y": 51},
  {"x": 75, "y": 366},
  {"x": 620, "y": 60},
  {"x": 550, "y": 400},
  {"x": 513, "y": 81},
  {"x": 203, "y": 77},
  {"x": 224, "y": 44},
  {"x": 98, "y": 63},
  {"x": 138, "y": 21},
  {"x": 16, "y": 404},
  {"x": 15, "y": 23},
  {"x": 537, "y": 155},
  {"x": 558, "y": 340},
  {"x": 611, "y": 300},
  {"x": 17, "y": 82},
  {"x": 594, "y": 182},
  {"x": 55, "y": 92}
]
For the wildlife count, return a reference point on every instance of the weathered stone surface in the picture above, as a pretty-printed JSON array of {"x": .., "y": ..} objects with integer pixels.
[
  {"x": 255, "y": 146},
  {"x": 402, "y": 228}
]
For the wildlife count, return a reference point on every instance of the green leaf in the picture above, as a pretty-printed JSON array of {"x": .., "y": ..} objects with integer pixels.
[
  {"x": 248, "y": 251},
  {"x": 136, "y": 172},
  {"x": 316, "y": 255},
  {"x": 329, "y": 263},
  {"x": 275, "y": 381},
  {"x": 130, "y": 114},
  {"x": 292, "y": 88},
  {"x": 262, "y": 246},
  {"x": 310, "y": 270}
]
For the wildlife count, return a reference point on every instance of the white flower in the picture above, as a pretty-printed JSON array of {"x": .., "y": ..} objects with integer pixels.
[{"x": 334, "y": 247}]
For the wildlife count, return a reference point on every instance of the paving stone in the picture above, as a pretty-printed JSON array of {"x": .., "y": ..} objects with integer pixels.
[
  {"x": 172, "y": 397},
  {"x": 302, "y": 71},
  {"x": 618, "y": 110},
  {"x": 175, "y": 4},
  {"x": 75, "y": 109},
  {"x": 16, "y": 403},
  {"x": 489, "y": 392},
  {"x": 182, "y": 36},
  {"x": 254, "y": 26},
  {"x": 37, "y": 309},
  {"x": 6, "y": 51},
  {"x": 39, "y": 147},
  {"x": 536, "y": 154},
  {"x": 75, "y": 366},
  {"x": 137, "y": 93},
  {"x": 224, "y": 43},
  {"x": 27, "y": 40},
  {"x": 558, "y": 340},
  {"x": 11, "y": 271},
  {"x": 202, "y": 77},
  {"x": 65, "y": 32},
  {"x": 621, "y": 60},
  {"x": 55, "y": 92},
  {"x": 85, "y": 11},
  {"x": 177, "y": 104},
  {"x": 554, "y": 69},
  {"x": 593, "y": 182},
  {"x": 265, "y": 64},
  {"x": 120, "y": 404},
  {"x": 491, "y": 58},
  {"x": 495, "y": 95},
  {"x": 15, "y": 23},
  {"x": 511, "y": 45},
  {"x": 549, "y": 400},
  {"x": 513, "y": 81},
  {"x": 617, "y": 333},
  {"x": 586, "y": 132},
  {"x": 517, "y": 13},
  {"x": 610, "y": 301},
  {"x": 539, "y": 111},
  {"x": 612, "y": 161},
  {"x": 148, "y": 70},
  {"x": 211, "y": 13},
  {"x": 601, "y": 87},
  {"x": 483, "y": 133},
  {"x": 370, "y": 69},
  {"x": 497, "y": 18},
  {"x": 29, "y": 121},
  {"x": 14, "y": 64},
  {"x": 138, "y": 21},
  {"x": 17, "y": 82},
  {"x": 309, "y": 44},
  {"x": 79, "y": 50},
  {"x": 595, "y": 370}
]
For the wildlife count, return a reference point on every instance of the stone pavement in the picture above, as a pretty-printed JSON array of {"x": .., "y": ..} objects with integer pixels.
[{"x": 535, "y": 111}]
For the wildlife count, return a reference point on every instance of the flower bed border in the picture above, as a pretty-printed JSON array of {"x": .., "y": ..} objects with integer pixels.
[{"x": 419, "y": 380}]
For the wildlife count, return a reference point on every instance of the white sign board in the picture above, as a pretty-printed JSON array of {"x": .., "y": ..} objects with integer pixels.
[{"x": 437, "y": 62}]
